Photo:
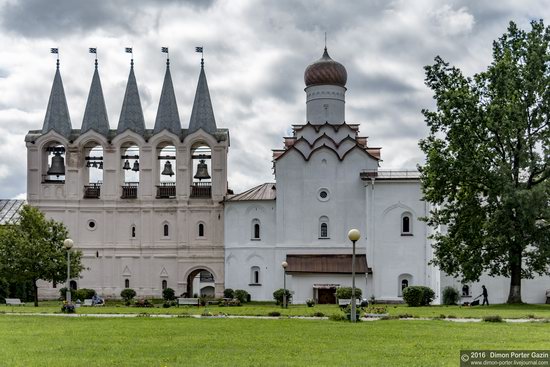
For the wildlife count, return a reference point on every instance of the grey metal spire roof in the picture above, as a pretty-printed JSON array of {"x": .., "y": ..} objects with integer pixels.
[
  {"x": 57, "y": 115},
  {"x": 202, "y": 115},
  {"x": 131, "y": 115},
  {"x": 167, "y": 114},
  {"x": 95, "y": 115}
]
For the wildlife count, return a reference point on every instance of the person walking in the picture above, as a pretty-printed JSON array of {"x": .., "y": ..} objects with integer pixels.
[{"x": 485, "y": 295}]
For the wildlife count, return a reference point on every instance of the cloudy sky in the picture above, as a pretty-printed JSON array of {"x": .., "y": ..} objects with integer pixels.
[{"x": 256, "y": 53}]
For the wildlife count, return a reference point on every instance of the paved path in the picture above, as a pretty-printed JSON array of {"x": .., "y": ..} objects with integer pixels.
[{"x": 170, "y": 316}]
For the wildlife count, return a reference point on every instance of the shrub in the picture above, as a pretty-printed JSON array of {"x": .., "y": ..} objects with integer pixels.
[
  {"x": 310, "y": 303},
  {"x": 67, "y": 308},
  {"x": 144, "y": 303},
  {"x": 345, "y": 293},
  {"x": 204, "y": 299},
  {"x": 228, "y": 293},
  {"x": 274, "y": 313},
  {"x": 318, "y": 314},
  {"x": 337, "y": 317},
  {"x": 278, "y": 296},
  {"x": 450, "y": 296},
  {"x": 495, "y": 318},
  {"x": 416, "y": 296},
  {"x": 168, "y": 294},
  {"x": 128, "y": 294},
  {"x": 242, "y": 295}
]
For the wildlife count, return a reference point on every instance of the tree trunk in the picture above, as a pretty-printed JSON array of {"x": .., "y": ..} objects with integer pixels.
[
  {"x": 35, "y": 292},
  {"x": 515, "y": 279}
]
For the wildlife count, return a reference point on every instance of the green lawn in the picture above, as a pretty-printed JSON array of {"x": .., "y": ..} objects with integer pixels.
[
  {"x": 60, "y": 341},
  {"x": 263, "y": 308}
]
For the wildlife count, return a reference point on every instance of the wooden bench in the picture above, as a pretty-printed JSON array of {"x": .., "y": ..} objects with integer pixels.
[
  {"x": 14, "y": 302},
  {"x": 188, "y": 302}
]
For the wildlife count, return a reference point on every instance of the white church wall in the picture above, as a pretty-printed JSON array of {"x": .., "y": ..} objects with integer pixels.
[{"x": 393, "y": 253}]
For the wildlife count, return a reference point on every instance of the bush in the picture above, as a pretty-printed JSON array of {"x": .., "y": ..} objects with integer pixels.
[
  {"x": 318, "y": 314},
  {"x": 274, "y": 313},
  {"x": 228, "y": 293},
  {"x": 337, "y": 317},
  {"x": 68, "y": 308},
  {"x": 81, "y": 294},
  {"x": 495, "y": 318},
  {"x": 204, "y": 299},
  {"x": 144, "y": 303},
  {"x": 310, "y": 303},
  {"x": 168, "y": 294},
  {"x": 278, "y": 296},
  {"x": 128, "y": 294},
  {"x": 450, "y": 296},
  {"x": 416, "y": 296},
  {"x": 242, "y": 295},
  {"x": 345, "y": 293}
]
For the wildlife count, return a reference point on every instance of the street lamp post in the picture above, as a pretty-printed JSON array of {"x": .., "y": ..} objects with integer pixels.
[
  {"x": 68, "y": 244},
  {"x": 284, "y": 264},
  {"x": 353, "y": 235}
]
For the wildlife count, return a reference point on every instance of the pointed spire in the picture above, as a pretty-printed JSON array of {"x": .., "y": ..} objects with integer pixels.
[
  {"x": 131, "y": 115},
  {"x": 57, "y": 114},
  {"x": 167, "y": 114},
  {"x": 95, "y": 115},
  {"x": 202, "y": 115}
]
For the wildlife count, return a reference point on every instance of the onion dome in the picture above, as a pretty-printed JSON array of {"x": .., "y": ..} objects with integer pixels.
[{"x": 325, "y": 71}]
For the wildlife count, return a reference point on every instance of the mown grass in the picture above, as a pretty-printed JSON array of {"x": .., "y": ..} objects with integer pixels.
[
  {"x": 264, "y": 308},
  {"x": 60, "y": 341}
]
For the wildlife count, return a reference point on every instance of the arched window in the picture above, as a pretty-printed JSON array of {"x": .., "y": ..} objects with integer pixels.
[
  {"x": 201, "y": 230},
  {"x": 323, "y": 227},
  {"x": 465, "y": 290},
  {"x": 255, "y": 275},
  {"x": 133, "y": 231},
  {"x": 164, "y": 284},
  {"x": 255, "y": 229},
  {"x": 73, "y": 285},
  {"x": 126, "y": 283},
  {"x": 404, "y": 280},
  {"x": 406, "y": 224},
  {"x": 165, "y": 230}
]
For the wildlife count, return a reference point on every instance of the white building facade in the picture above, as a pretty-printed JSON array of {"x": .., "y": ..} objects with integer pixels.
[
  {"x": 144, "y": 206},
  {"x": 327, "y": 182},
  {"x": 151, "y": 209}
]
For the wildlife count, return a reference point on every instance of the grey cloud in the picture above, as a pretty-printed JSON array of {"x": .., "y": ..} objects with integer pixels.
[{"x": 59, "y": 18}]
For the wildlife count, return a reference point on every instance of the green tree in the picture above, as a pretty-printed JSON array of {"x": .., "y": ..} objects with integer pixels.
[
  {"x": 33, "y": 249},
  {"x": 487, "y": 162}
]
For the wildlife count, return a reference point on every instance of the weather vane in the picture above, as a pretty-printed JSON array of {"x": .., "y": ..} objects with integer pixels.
[
  {"x": 93, "y": 50},
  {"x": 130, "y": 50},
  {"x": 165, "y": 50},
  {"x": 55, "y": 51},
  {"x": 200, "y": 49}
]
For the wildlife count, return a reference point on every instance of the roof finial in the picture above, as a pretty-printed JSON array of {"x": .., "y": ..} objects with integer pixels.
[
  {"x": 325, "y": 41},
  {"x": 93, "y": 50},
  {"x": 200, "y": 49},
  {"x": 165, "y": 50},
  {"x": 130, "y": 50},
  {"x": 55, "y": 51}
]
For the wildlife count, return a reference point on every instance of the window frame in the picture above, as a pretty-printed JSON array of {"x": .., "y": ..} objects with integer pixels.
[
  {"x": 324, "y": 221},
  {"x": 406, "y": 216}
]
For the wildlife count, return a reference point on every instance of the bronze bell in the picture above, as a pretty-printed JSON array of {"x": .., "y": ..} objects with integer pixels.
[
  {"x": 167, "y": 171},
  {"x": 126, "y": 165},
  {"x": 202, "y": 171},
  {"x": 136, "y": 166},
  {"x": 58, "y": 165}
]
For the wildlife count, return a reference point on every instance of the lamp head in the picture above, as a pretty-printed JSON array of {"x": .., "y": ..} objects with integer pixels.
[
  {"x": 68, "y": 244},
  {"x": 354, "y": 235},
  {"x": 284, "y": 264}
]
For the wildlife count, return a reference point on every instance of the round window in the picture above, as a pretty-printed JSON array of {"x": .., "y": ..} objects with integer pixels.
[
  {"x": 323, "y": 194},
  {"x": 91, "y": 224}
]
